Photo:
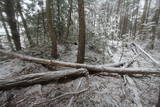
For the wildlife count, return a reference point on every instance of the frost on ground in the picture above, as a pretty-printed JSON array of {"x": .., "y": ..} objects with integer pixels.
[{"x": 105, "y": 90}]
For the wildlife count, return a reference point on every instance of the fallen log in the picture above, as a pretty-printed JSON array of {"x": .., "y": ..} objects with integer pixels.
[
  {"x": 91, "y": 68},
  {"x": 37, "y": 78},
  {"x": 52, "y": 62},
  {"x": 147, "y": 54}
]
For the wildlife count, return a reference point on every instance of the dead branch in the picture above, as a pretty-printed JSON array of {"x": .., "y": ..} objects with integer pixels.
[
  {"x": 63, "y": 95},
  {"x": 37, "y": 78},
  {"x": 147, "y": 54},
  {"x": 71, "y": 100}
]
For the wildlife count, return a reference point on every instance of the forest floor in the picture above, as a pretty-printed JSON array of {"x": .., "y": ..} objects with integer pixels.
[{"x": 103, "y": 90}]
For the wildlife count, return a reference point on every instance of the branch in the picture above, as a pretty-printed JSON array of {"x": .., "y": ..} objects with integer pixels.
[{"x": 147, "y": 54}]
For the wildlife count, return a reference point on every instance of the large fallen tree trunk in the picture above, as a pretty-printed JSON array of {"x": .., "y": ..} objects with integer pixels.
[
  {"x": 53, "y": 62},
  {"x": 38, "y": 78},
  {"x": 91, "y": 68}
]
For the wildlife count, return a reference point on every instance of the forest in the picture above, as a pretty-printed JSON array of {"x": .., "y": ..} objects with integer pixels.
[{"x": 79, "y": 53}]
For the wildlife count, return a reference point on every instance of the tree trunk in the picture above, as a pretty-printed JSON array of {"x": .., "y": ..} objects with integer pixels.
[
  {"x": 59, "y": 28},
  {"x": 44, "y": 24},
  {"x": 51, "y": 31},
  {"x": 81, "y": 40},
  {"x": 37, "y": 28},
  {"x": 69, "y": 18},
  {"x": 143, "y": 19},
  {"x": 148, "y": 10},
  {"x": 158, "y": 104},
  {"x": 118, "y": 6},
  {"x": 38, "y": 78},
  {"x": 9, "y": 9},
  {"x": 91, "y": 68},
  {"x": 155, "y": 20},
  {"x": 123, "y": 24},
  {"x": 135, "y": 22},
  {"x": 24, "y": 24},
  {"x": 1, "y": 47},
  {"x": 7, "y": 32}
]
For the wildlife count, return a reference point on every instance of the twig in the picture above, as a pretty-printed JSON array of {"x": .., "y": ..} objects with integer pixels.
[
  {"x": 63, "y": 95},
  {"x": 87, "y": 79}
]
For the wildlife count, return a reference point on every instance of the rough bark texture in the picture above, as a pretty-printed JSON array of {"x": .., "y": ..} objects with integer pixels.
[
  {"x": 81, "y": 44},
  {"x": 91, "y": 68},
  {"x": 51, "y": 31},
  {"x": 10, "y": 12},
  {"x": 38, "y": 78}
]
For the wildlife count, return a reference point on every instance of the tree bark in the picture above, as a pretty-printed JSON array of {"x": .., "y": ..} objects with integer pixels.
[
  {"x": 38, "y": 78},
  {"x": 9, "y": 9},
  {"x": 81, "y": 44},
  {"x": 51, "y": 31},
  {"x": 91, "y": 68}
]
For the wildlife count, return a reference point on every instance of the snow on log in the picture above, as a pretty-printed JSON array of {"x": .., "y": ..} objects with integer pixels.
[
  {"x": 37, "y": 78},
  {"x": 91, "y": 68}
]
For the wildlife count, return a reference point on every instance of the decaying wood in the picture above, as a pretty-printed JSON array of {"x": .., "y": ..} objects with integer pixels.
[
  {"x": 147, "y": 54},
  {"x": 37, "y": 78},
  {"x": 91, "y": 68}
]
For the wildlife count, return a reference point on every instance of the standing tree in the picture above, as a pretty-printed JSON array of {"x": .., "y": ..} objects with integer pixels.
[
  {"x": 81, "y": 40},
  {"x": 6, "y": 30},
  {"x": 155, "y": 19},
  {"x": 10, "y": 12},
  {"x": 51, "y": 30},
  {"x": 69, "y": 19},
  {"x": 144, "y": 15},
  {"x": 19, "y": 8}
]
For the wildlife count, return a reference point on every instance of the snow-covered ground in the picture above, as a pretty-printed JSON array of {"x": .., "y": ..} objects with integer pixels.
[{"x": 106, "y": 90}]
